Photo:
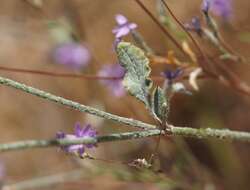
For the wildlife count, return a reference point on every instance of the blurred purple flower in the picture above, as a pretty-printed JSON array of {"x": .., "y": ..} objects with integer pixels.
[
  {"x": 2, "y": 170},
  {"x": 72, "y": 54},
  {"x": 194, "y": 25},
  {"x": 222, "y": 8},
  {"x": 2, "y": 173},
  {"x": 85, "y": 131},
  {"x": 113, "y": 70},
  {"x": 205, "y": 7},
  {"x": 124, "y": 27},
  {"x": 172, "y": 75}
]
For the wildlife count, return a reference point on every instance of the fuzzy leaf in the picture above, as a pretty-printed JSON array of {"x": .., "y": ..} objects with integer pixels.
[
  {"x": 136, "y": 64},
  {"x": 160, "y": 105}
]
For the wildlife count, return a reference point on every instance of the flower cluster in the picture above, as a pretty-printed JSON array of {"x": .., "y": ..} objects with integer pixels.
[
  {"x": 85, "y": 131},
  {"x": 124, "y": 27}
]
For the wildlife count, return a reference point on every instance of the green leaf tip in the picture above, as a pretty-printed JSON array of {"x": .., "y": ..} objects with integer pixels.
[
  {"x": 160, "y": 107},
  {"x": 136, "y": 64}
]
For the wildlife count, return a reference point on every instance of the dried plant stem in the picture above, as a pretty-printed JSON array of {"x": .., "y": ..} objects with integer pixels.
[
  {"x": 164, "y": 30},
  {"x": 209, "y": 133},
  {"x": 184, "y": 29},
  {"x": 28, "y": 144},
  {"x": 157, "y": 78},
  {"x": 233, "y": 78},
  {"x": 57, "y": 74},
  {"x": 172, "y": 130},
  {"x": 74, "y": 105}
]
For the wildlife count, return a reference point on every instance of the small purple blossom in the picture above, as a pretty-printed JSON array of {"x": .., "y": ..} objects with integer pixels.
[
  {"x": 206, "y": 6},
  {"x": 113, "y": 70},
  {"x": 2, "y": 173},
  {"x": 80, "y": 132},
  {"x": 172, "y": 75},
  {"x": 124, "y": 27},
  {"x": 194, "y": 25},
  {"x": 222, "y": 8},
  {"x": 73, "y": 55}
]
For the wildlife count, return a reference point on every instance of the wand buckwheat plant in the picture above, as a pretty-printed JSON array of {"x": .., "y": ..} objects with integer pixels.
[
  {"x": 132, "y": 74},
  {"x": 138, "y": 84}
]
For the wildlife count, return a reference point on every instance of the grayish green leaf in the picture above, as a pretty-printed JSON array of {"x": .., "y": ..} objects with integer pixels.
[
  {"x": 160, "y": 107},
  {"x": 136, "y": 64}
]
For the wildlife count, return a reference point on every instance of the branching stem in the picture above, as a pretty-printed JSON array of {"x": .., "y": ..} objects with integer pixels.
[{"x": 149, "y": 130}]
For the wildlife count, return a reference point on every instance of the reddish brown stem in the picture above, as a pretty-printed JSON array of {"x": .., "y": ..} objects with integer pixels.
[
  {"x": 183, "y": 28},
  {"x": 53, "y": 74},
  {"x": 72, "y": 75},
  {"x": 233, "y": 78},
  {"x": 164, "y": 30}
]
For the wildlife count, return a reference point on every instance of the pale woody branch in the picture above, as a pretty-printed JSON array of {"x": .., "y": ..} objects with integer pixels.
[
  {"x": 28, "y": 144},
  {"x": 74, "y": 105},
  {"x": 150, "y": 130},
  {"x": 175, "y": 131}
]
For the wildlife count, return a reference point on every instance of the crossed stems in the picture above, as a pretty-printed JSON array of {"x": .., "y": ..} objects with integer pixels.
[{"x": 148, "y": 129}]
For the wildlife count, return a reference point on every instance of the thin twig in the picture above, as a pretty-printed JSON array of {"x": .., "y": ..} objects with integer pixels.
[
  {"x": 28, "y": 144},
  {"x": 157, "y": 78},
  {"x": 164, "y": 30},
  {"x": 74, "y": 105},
  {"x": 184, "y": 29},
  {"x": 57, "y": 74},
  {"x": 209, "y": 133},
  {"x": 67, "y": 75},
  {"x": 234, "y": 80},
  {"x": 221, "y": 134}
]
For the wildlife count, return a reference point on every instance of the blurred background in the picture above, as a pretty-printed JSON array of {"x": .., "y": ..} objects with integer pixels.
[{"x": 30, "y": 38}]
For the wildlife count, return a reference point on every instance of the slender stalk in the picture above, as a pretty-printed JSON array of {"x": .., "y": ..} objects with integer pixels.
[
  {"x": 183, "y": 28},
  {"x": 164, "y": 30},
  {"x": 67, "y": 75},
  {"x": 202, "y": 133},
  {"x": 28, "y": 144},
  {"x": 222, "y": 134},
  {"x": 157, "y": 78},
  {"x": 74, "y": 105},
  {"x": 234, "y": 80},
  {"x": 57, "y": 74}
]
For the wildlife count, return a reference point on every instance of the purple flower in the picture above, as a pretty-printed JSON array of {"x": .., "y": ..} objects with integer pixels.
[
  {"x": 206, "y": 6},
  {"x": 172, "y": 75},
  {"x": 72, "y": 54},
  {"x": 194, "y": 25},
  {"x": 113, "y": 70},
  {"x": 2, "y": 173},
  {"x": 124, "y": 27},
  {"x": 85, "y": 131},
  {"x": 222, "y": 8}
]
